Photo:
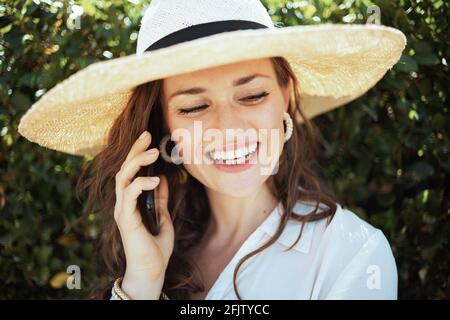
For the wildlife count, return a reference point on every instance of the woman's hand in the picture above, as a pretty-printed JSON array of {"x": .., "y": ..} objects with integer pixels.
[{"x": 147, "y": 256}]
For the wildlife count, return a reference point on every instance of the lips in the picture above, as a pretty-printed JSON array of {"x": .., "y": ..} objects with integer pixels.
[
  {"x": 227, "y": 153},
  {"x": 237, "y": 167}
]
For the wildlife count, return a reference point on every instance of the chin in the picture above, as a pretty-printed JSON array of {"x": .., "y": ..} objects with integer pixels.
[
  {"x": 236, "y": 186},
  {"x": 238, "y": 192}
]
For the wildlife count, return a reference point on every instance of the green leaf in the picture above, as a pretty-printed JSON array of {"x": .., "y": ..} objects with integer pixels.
[
  {"x": 427, "y": 59},
  {"x": 406, "y": 64},
  {"x": 420, "y": 171}
]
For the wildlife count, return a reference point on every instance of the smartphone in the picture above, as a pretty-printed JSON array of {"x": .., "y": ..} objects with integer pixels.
[{"x": 147, "y": 203}]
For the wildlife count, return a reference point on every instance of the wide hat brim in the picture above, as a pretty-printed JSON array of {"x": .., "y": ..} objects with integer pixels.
[{"x": 334, "y": 64}]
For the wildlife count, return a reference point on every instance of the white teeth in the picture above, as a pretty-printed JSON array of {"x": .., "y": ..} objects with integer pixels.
[
  {"x": 240, "y": 153},
  {"x": 240, "y": 160},
  {"x": 230, "y": 161},
  {"x": 237, "y": 156}
]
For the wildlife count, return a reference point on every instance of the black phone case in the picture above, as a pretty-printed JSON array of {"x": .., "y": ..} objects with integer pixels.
[{"x": 147, "y": 203}]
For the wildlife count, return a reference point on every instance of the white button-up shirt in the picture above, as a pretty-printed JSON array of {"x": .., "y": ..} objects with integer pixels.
[{"x": 348, "y": 259}]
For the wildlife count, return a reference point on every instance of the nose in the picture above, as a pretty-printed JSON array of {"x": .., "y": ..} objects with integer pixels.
[
  {"x": 227, "y": 117},
  {"x": 230, "y": 126}
]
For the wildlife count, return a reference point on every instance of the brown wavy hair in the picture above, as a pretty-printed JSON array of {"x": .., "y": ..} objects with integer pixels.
[{"x": 294, "y": 181}]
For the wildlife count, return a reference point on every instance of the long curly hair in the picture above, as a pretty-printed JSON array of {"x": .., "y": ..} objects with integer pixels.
[{"x": 294, "y": 181}]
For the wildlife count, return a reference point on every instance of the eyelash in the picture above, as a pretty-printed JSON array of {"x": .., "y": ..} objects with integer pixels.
[{"x": 196, "y": 109}]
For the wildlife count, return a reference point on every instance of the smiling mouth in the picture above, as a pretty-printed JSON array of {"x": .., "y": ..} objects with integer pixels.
[{"x": 239, "y": 156}]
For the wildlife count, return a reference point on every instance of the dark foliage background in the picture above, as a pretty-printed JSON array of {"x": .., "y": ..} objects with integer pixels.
[{"x": 386, "y": 155}]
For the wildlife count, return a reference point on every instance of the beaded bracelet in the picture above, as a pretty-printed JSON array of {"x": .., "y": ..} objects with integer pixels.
[
  {"x": 163, "y": 296},
  {"x": 117, "y": 292}
]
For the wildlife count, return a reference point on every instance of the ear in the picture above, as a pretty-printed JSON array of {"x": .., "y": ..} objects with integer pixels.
[{"x": 286, "y": 95}]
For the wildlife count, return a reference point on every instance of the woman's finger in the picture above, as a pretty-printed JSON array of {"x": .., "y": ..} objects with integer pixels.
[
  {"x": 129, "y": 170},
  {"x": 162, "y": 194},
  {"x": 134, "y": 189},
  {"x": 141, "y": 144}
]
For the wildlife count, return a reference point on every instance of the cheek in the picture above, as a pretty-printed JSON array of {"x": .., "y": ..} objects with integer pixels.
[
  {"x": 270, "y": 118},
  {"x": 270, "y": 113},
  {"x": 171, "y": 121},
  {"x": 187, "y": 136}
]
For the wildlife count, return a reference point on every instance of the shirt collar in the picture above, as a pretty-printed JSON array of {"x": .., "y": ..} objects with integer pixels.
[{"x": 292, "y": 228}]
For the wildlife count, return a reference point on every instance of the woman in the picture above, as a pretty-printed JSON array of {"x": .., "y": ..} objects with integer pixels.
[{"x": 243, "y": 215}]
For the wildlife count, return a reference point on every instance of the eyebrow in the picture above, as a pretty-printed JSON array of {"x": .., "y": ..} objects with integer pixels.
[{"x": 236, "y": 83}]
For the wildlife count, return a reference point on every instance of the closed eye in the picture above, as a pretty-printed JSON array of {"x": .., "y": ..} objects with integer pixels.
[{"x": 201, "y": 107}]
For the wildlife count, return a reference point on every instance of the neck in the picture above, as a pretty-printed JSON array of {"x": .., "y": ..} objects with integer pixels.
[{"x": 235, "y": 218}]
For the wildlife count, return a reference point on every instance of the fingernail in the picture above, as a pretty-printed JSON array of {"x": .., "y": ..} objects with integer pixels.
[
  {"x": 152, "y": 151},
  {"x": 154, "y": 179},
  {"x": 143, "y": 134}
]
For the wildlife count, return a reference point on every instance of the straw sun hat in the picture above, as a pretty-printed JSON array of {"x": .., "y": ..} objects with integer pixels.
[{"x": 334, "y": 64}]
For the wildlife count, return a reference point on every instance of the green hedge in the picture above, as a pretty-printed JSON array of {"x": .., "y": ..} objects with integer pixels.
[{"x": 386, "y": 155}]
